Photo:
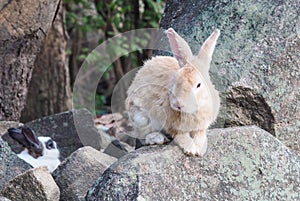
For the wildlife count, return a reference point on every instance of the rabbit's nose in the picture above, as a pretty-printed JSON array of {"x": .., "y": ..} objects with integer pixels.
[{"x": 177, "y": 106}]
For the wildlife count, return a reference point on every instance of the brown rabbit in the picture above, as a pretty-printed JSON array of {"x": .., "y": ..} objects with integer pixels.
[{"x": 175, "y": 94}]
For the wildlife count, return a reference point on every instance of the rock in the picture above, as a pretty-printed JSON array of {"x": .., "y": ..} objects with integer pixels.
[
  {"x": 10, "y": 164},
  {"x": 116, "y": 149},
  {"x": 3, "y": 199},
  {"x": 256, "y": 61},
  {"x": 242, "y": 163},
  {"x": 61, "y": 127},
  {"x": 4, "y": 125},
  {"x": 106, "y": 139},
  {"x": 79, "y": 172},
  {"x": 21, "y": 37},
  {"x": 46, "y": 96},
  {"x": 35, "y": 184}
]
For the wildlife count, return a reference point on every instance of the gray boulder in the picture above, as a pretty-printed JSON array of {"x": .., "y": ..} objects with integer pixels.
[
  {"x": 256, "y": 61},
  {"x": 10, "y": 164},
  {"x": 4, "y": 125},
  {"x": 62, "y": 128},
  {"x": 79, "y": 172},
  {"x": 242, "y": 163},
  {"x": 3, "y": 199},
  {"x": 35, "y": 184}
]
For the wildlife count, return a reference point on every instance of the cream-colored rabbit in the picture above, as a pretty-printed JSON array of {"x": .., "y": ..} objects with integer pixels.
[{"x": 175, "y": 94}]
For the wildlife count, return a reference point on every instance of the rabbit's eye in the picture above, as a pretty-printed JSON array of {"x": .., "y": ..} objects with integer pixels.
[
  {"x": 198, "y": 85},
  {"x": 50, "y": 144}
]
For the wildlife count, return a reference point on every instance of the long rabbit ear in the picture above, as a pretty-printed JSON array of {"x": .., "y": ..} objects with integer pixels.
[
  {"x": 17, "y": 135},
  {"x": 207, "y": 49},
  {"x": 179, "y": 47},
  {"x": 31, "y": 136}
]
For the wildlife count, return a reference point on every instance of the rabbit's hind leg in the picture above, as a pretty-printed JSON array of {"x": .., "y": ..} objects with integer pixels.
[
  {"x": 156, "y": 135},
  {"x": 156, "y": 138},
  {"x": 140, "y": 120}
]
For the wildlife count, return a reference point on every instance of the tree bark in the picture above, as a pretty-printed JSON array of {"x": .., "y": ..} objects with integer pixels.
[
  {"x": 49, "y": 89},
  {"x": 23, "y": 27},
  {"x": 76, "y": 46}
]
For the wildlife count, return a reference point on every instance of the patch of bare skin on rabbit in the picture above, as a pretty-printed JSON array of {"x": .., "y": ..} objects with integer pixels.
[{"x": 177, "y": 93}]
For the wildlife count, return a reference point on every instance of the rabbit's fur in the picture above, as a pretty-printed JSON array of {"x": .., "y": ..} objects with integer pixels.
[
  {"x": 39, "y": 151},
  {"x": 175, "y": 94}
]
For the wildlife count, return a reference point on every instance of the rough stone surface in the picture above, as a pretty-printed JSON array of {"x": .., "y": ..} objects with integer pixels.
[
  {"x": 242, "y": 163},
  {"x": 23, "y": 27},
  {"x": 4, "y": 125},
  {"x": 64, "y": 131},
  {"x": 10, "y": 164},
  {"x": 118, "y": 149},
  {"x": 79, "y": 172},
  {"x": 256, "y": 62},
  {"x": 3, "y": 199},
  {"x": 115, "y": 147},
  {"x": 46, "y": 96},
  {"x": 35, "y": 184}
]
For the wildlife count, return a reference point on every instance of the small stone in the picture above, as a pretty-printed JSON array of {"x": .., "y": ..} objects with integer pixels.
[
  {"x": 35, "y": 184},
  {"x": 10, "y": 164},
  {"x": 116, "y": 149},
  {"x": 79, "y": 171},
  {"x": 3, "y": 199}
]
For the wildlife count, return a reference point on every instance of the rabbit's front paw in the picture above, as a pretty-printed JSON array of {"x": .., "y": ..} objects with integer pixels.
[
  {"x": 201, "y": 142},
  {"x": 155, "y": 138},
  {"x": 191, "y": 146},
  {"x": 191, "y": 150}
]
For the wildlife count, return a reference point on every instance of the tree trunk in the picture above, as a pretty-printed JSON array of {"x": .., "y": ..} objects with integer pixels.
[
  {"x": 23, "y": 27},
  {"x": 76, "y": 46},
  {"x": 49, "y": 89}
]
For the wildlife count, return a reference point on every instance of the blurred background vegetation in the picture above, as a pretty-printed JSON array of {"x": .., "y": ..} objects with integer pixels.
[
  {"x": 79, "y": 27},
  {"x": 89, "y": 23}
]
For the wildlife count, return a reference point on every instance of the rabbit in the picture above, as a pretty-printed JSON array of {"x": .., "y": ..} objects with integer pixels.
[
  {"x": 39, "y": 151},
  {"x": 175, "y": 95}
]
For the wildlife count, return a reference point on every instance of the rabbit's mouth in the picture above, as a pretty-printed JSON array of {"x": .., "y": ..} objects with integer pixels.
[{"x": 183, "y": 108}]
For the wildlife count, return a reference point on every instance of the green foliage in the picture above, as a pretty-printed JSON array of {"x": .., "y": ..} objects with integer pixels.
[
  {"x": 100, "y": 100},
  {"x": 113, "y": 17},
  {"x": 123, "y": 15},
  {"x": 79, "y": 16}
]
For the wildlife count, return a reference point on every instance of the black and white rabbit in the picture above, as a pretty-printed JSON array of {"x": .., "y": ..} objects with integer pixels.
[{"x": 39, "y": 151}]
